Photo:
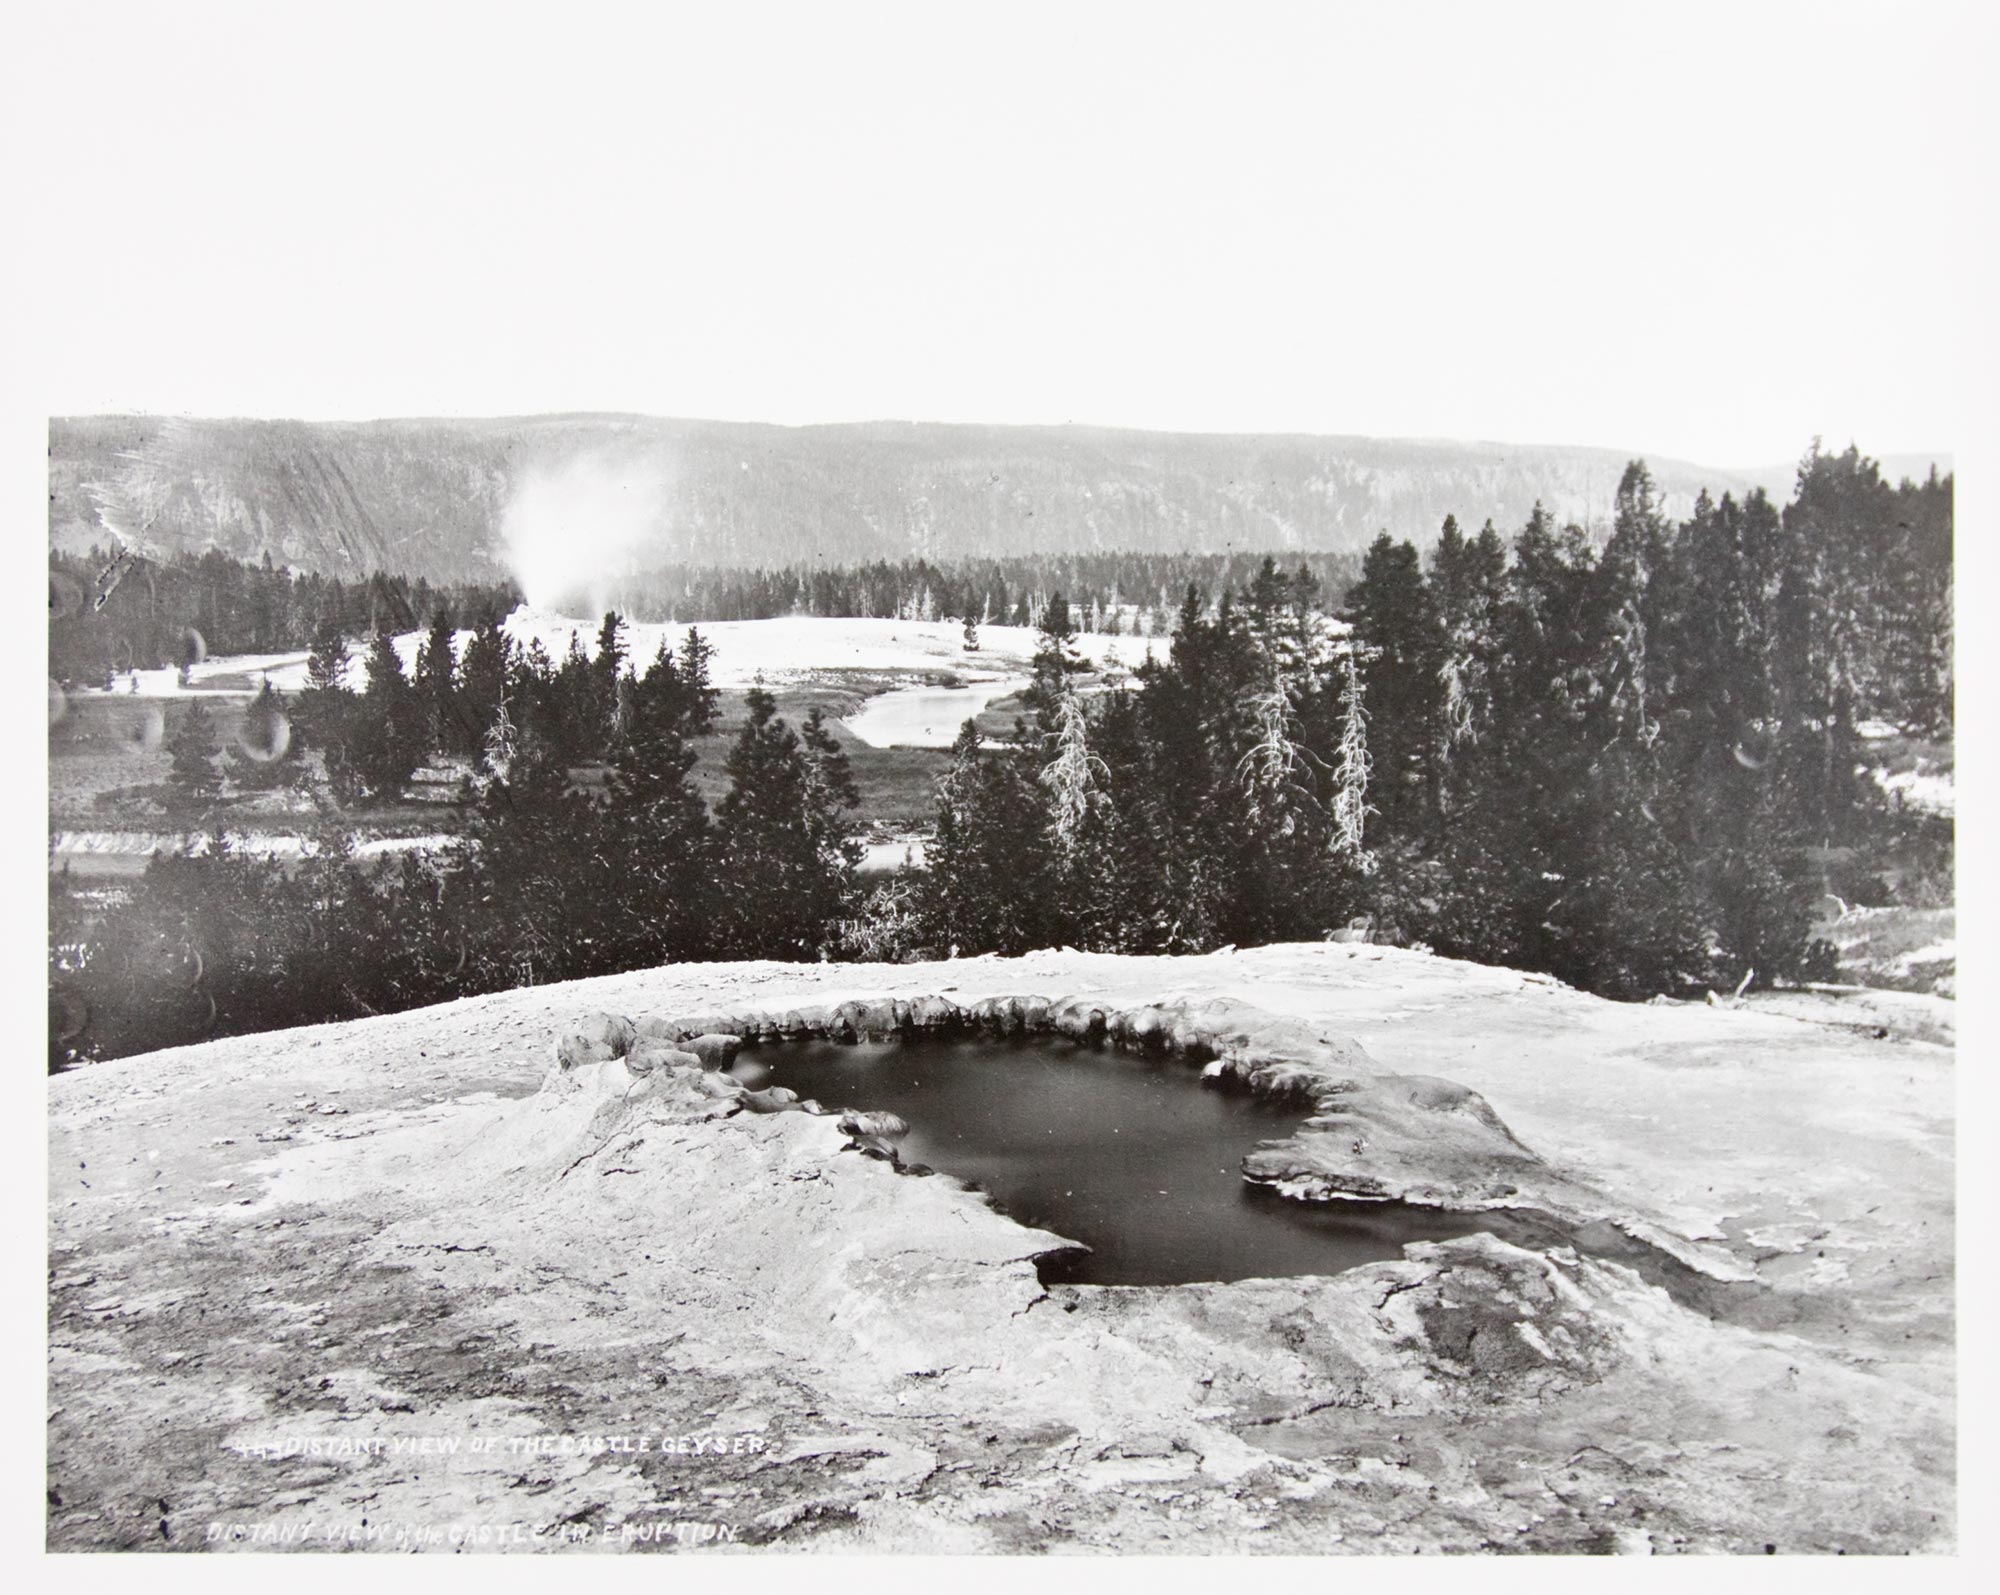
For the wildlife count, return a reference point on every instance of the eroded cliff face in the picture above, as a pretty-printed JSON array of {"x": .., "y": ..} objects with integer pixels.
[
  {"x": 406, "y": 1272},
  {"x": 432, "y": 497}
]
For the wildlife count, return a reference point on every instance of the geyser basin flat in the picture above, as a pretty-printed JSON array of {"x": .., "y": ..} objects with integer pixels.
[{"x": 1131, "y": 1155}]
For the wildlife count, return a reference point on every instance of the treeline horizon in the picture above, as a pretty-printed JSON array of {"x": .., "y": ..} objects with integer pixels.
[
  {"x": 1620, "y": 764},
  {"x": 235, "y": 607},
  {"x": 111, "y": 612},
  {"x": 1112, "y": 591}
]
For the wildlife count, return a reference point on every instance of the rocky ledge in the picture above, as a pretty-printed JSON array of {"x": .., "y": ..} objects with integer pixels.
[{"x": 409, "y": 1282}]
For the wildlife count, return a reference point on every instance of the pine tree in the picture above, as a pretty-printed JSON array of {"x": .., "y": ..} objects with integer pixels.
[
  {"x": 437, "y": 685},
  {"x": 482, "y": 683},
  {"x": 1629, "y": 906},
  {"x": 1761, "y": 888},
  {"x": 1186, "y": 711},
  {"x": 1120, "y": 909},
  {"x": 703, "y": 700},
  {"x": 623, "y": 710},
  {"x": 1073, "y": 777},
  {"x": 782, "y": 896},
  {"x": 1056, "y": 660},
  {"x": 575, "y": 725},
  {"x": 656, "y": 833},
  {"x": 1500, "y": 862},
  {"x": 323, "y": 714},
  {"x": 1355, "y": 767},
  {"x": 607, "y": 666},
  {"x": 950, "y": 893},
  {"x": 658, "y": 696},
  {"x": 1839, "y": 530},
  {"x": 1724, "y": 802},
  {"x": 1466, "y": 582},
  {"x": 194, "y": 779},
  {"x": 326, "y": 667},
  {"x": 387, "y": 741},
  {"x": 830, "y": 793},
  {"x": 1279, "y": 771},
  {"x": 987, "y": 885},
  {"x": 1402, "y": 653},
  {"x": 530, "y": 690},
  {"x": 1099, "y": 859},
  {"x": 532, "y": 908},
  {"x": 1918, "y": 647},
  {"x": 500, "y": 746}
]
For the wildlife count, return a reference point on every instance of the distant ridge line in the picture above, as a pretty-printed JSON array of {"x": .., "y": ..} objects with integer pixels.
[{"x": 431, "y": 496}]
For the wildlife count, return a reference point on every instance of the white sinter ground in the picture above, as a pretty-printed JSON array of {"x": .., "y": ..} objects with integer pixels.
[
  {"x": 794, "y": 647},
  {"x": 433, "y": 1181},
  {"x": 747, "y": 652},
  {"x": 1930, "y": 791}
]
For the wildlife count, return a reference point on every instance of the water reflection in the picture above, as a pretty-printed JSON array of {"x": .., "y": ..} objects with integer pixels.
[{"x": 1131, "y": 1156}]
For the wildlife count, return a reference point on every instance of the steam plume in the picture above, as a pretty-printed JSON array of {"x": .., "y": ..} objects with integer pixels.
[{"x": 572, "y": 530}]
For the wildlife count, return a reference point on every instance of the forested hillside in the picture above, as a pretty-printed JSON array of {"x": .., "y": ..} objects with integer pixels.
[{"x": 432, "y": 498}]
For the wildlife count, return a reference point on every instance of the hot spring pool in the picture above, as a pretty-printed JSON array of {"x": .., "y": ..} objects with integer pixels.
[{"x": 1133, "y": 1156}]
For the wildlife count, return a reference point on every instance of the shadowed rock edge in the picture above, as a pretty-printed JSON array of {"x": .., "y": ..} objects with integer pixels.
[{"x": 1371, "y": 1136}]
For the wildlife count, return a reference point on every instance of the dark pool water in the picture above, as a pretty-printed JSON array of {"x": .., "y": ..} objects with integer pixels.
[{"x": 1135, "y": 1157}]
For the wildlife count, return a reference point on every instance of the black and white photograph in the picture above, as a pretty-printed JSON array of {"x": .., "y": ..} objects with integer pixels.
[{"x": 1142, "y": 780}]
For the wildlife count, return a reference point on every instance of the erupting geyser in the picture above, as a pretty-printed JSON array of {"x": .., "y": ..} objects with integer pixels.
[{"x": 571, "y": 528}]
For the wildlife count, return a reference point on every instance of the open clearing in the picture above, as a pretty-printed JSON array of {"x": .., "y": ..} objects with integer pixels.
[{"x": 107, "y": 755}]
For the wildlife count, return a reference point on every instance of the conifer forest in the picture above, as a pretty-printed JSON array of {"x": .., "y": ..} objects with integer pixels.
[{"x": 1631, "y": 760}]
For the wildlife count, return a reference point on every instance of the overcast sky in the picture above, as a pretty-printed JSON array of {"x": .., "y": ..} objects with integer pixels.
[{"x": 1689, "y": 231}]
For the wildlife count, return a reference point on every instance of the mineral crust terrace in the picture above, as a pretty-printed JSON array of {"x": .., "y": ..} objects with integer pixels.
[{"x": 280, "y": 1264}]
